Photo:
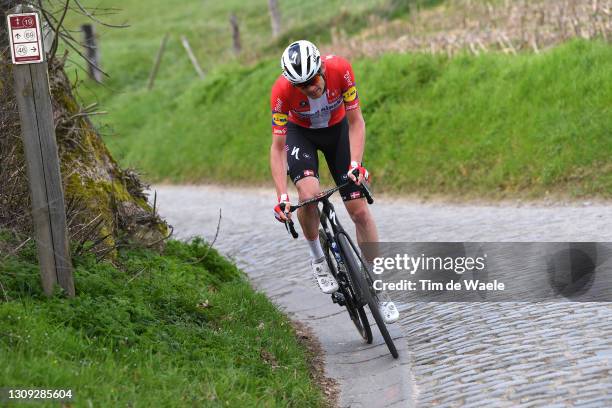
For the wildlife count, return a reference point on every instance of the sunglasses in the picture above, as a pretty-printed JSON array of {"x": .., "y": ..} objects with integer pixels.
[{"x": 311, "y": 81}]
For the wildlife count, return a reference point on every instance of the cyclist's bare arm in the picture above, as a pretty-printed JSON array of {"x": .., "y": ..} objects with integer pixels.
[
  {"x": 278, "y": 163},
  {"x": 356, "y": 133}
]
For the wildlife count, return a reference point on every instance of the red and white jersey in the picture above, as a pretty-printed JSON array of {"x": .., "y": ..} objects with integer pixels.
[{"x": 289, "y": 104}]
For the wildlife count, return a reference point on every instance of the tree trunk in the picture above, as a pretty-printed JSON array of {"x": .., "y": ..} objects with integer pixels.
[{"x": 105, "y": 203}]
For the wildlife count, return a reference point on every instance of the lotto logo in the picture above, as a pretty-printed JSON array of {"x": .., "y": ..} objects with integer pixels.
[
  {"x": 350, "y": 94},
  {"x": 279, "y": 119}
]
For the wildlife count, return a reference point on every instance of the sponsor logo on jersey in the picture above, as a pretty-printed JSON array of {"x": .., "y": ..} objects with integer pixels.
[
  {"x": 279, "y": 119},
  {"x": 347, "y": 78},
  {"x": 350, "y": 94},
  {"x": 327, "y": 108},
  {"x": 278, "y": 131},
  {"x": 279, "y": 104},
  {"x": 295, "y": 152},
  {"x": 356, "y": 194},
  {"x": 306, "y": 156}
]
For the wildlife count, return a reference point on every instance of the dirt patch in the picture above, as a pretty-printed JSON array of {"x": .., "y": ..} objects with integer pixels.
[
  {"x": 316, "y": 363},
  {"x": 479, "y": 26}
]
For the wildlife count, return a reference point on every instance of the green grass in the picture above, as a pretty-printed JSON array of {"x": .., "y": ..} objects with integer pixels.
[
  {"x": 492, "y": 125},
  {"x": 128, "y": 53},
  {"x": 177, "y": 330}
]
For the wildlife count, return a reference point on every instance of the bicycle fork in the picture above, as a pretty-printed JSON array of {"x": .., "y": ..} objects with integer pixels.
[{"x": 338, "y": 296}]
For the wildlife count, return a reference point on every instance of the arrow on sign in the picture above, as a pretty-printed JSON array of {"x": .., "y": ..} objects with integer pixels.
[{"x": 33, "y": 49}]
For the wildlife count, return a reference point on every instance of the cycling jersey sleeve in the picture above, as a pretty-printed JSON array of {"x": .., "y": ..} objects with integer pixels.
[
  {"x": 349, "y": 91},
  {"x": 280, "y": 110}
]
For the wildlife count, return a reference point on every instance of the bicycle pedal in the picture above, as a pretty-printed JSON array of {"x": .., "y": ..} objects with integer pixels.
[{"x": 338, "y": 298}]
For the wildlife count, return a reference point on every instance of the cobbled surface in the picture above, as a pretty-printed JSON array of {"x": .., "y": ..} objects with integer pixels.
[{"x": 550, "y": 354}]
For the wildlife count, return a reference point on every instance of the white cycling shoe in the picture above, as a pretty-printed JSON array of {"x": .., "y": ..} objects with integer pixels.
[
  {"x": 324, "y": 277},
  {"x": 388, "y": 311}
]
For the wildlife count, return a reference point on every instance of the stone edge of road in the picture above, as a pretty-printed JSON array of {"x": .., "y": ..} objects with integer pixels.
[{"x": 430, "y": 200}]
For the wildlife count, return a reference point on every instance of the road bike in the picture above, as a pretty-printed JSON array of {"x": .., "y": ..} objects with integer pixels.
[{"x": 346, "y": 264}]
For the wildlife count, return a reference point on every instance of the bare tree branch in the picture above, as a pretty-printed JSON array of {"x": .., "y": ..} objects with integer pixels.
[
  {"x": 75, "y": 49},
  {"x": 57, "y": 28},
  {"x": 88, "y": 14}
]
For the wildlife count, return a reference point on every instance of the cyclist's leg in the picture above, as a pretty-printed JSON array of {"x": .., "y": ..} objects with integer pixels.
[
  {"x": 338, "y": 157},
  {"x": 365, "y": 227},
  {"x": 303, "y": 165},
  {"x": 308, "y": 215},
  {"x": 303, "y": 168},
  {"x": 338, "y": 160}
]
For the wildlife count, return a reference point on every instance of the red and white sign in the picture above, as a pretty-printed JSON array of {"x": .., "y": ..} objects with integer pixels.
[{"x": 26, "y": 39}]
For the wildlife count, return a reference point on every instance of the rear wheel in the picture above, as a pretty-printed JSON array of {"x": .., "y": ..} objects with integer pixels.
[
  {"x": 367, "y": 294},
  {"x": 356, "y": 312}
]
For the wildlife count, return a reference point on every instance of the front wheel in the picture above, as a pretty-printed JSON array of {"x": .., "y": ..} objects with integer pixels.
[
  {"x": 373, "y": 305},
  {"x": 356, "y": 312},
  {"x": 361, "y": 279}
]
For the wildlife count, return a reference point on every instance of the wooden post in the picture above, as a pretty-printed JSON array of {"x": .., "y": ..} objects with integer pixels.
[
  {"x": 91, "y": 50},
  {"x": 158, "y": 58},
  {"x": 47, "y": 196},
  {"x": 235, "y": 33},
  {"x": 192, "y": 57},
  {"x": 274, "y": 17}
]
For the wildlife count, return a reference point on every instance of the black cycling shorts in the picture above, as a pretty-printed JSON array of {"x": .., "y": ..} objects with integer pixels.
[{"x": 333, "y": 141}]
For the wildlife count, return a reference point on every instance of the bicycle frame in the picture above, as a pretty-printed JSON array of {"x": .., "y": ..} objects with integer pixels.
[
  {"x": 327, "y": 219},
  {"x": 333, "y": 229},
  {"x": 324, "y": 196},
  {"x": 349, "y": 270}
]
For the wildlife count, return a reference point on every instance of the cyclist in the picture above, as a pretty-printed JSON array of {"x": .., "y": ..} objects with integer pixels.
[{"x": 315, "y": 106}]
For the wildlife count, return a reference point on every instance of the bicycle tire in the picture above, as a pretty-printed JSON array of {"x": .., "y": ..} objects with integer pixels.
[
  {"x": 356, "y": 313},
  {"x": 353, "y": 265}
]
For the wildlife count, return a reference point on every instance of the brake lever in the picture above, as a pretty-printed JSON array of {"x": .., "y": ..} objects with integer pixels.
[
  {"x": 367, "y": 192},
  {"x": 291, "y": 229},
  {"x": 365, "y": 187},
  {"x": 289, "y": 223}
]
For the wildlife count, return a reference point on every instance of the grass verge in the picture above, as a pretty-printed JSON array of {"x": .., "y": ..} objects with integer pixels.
[
  {"x": 492, "y": 125},
  {"x": 174, "y": 330}
]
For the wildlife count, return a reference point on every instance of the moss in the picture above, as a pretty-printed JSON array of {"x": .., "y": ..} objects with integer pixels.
[
  {"x": 92, "y": 176},
  {"x": 96, "y": 201},
  {"x": 94, "y": 184}
]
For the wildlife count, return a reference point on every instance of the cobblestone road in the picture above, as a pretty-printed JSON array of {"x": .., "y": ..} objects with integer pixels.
[{"x": 553, "y": 354}]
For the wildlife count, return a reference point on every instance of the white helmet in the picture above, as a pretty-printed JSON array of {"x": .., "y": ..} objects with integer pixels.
[{"x": 300, "y": 61}]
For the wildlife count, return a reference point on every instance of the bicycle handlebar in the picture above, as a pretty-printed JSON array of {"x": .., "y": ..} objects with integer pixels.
[{"x": 365, "y": 189}]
